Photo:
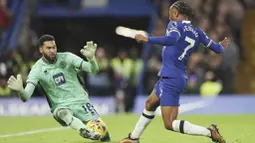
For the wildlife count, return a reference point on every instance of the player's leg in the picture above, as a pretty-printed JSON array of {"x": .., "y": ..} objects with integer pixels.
[
  {"x": 87, "y": 112},
  {"x": 65, "y": 115},
  {"x": 169, "y": 115},
  {"x": 66, "y": 118},
  {"x": 148, "y": 114},
  {"x": 169, "y": 101}
]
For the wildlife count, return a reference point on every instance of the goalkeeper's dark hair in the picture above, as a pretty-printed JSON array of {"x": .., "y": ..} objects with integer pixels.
[
  {"x": 45, "y": 38},
  {"x": 186, "y": 10}
]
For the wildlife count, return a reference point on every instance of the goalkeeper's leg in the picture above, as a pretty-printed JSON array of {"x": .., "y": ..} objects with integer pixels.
[
  {"x": 67, "y": 117},
  {"x": 148, "y": 114}
]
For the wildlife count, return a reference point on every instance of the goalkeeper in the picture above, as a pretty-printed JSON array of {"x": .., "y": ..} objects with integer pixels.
[{"x": 57, "y": 75}]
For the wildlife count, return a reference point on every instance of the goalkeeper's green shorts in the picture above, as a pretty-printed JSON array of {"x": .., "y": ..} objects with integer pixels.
[{"x": 84, "y": 112}]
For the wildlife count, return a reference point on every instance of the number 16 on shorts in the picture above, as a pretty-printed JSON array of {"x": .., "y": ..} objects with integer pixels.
[{"x": 88, "y": 108}]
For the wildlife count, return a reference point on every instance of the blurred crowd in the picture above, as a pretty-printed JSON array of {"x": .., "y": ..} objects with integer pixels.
[
  {"x": 209, "y": 74},
  {"x": 5, "y": 16}
]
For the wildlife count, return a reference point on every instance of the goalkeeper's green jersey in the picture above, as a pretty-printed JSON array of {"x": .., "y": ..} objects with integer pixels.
[{"x": 60, "y": 79}]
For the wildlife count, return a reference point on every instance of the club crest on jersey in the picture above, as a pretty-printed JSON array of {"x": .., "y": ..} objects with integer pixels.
[
  {"x": 174, "y": 23},
  {"x": 45, "y": 72},
  {"x": 62, "y": 64},
  {"x": 59, "y": 79}
]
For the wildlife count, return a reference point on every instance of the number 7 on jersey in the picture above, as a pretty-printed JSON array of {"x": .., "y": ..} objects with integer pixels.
[{"x": 191, "y": 44}]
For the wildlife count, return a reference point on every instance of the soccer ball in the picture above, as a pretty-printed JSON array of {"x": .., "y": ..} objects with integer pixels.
[{"x": 98, "y": 126}]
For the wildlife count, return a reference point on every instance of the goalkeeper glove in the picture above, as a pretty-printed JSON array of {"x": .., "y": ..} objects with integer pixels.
[
  {"x": 89, "y": 50},
  {"x": 15, "y": 84}
]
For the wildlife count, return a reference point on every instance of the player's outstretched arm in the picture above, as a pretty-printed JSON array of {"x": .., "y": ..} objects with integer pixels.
[
  {"x": 16, "y": 84},
  {"x": 89, "y": 51},
  {"x": 215, "y": 47},
  {"x": 218, "y": 48},
  {"x": 90, "y": 67},
  {"x": 163, "y": 40}
]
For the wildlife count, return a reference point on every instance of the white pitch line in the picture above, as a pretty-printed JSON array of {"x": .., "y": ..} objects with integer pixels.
[{"x": 34, "y": 132}]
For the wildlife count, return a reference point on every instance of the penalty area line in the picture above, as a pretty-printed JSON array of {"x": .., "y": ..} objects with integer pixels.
[{"x": 34, "y": 132}]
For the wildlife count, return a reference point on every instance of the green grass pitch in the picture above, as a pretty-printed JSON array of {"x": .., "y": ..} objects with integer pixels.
[{"x": 235, "y": 129}]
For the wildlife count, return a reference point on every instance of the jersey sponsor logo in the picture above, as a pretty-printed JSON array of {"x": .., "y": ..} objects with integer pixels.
[
  {"x": 62, "y": 64},
  {"x": 59, "y": 79}
]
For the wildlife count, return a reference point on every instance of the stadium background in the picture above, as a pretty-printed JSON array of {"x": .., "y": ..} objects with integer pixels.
[{"x": 218, "y": 84}]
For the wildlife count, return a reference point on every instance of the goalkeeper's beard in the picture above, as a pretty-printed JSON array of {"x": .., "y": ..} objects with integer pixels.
[{"x": 50, "y": 58}]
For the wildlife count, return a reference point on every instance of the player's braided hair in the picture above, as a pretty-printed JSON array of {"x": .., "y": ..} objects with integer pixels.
[{"x": 185, "y": 9}]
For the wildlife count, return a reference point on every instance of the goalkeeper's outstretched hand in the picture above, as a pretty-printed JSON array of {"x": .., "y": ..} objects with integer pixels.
[
  {"x": 89, "y": 50},
  {"x": 15, "y": 84}
]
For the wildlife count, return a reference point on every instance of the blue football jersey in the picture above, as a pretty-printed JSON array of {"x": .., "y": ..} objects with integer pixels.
[{"x": 174, "y": 58}]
